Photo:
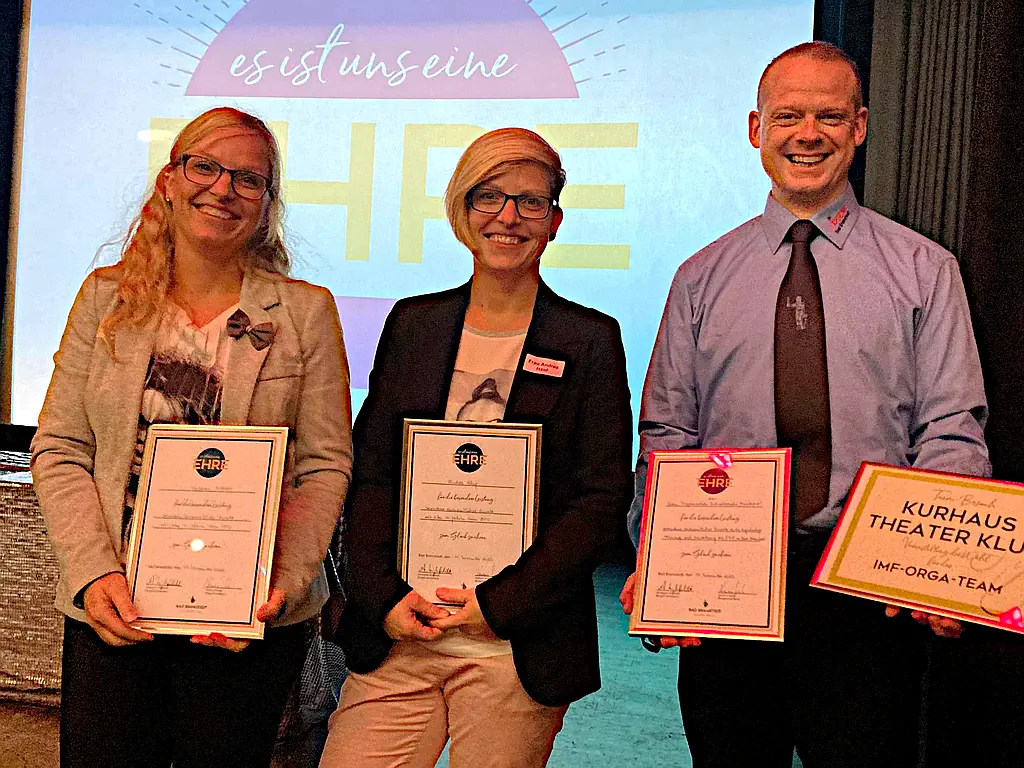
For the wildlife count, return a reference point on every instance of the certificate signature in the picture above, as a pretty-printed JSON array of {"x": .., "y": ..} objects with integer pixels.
[
  {"x": 433, "y": 572},
  {"x": 162, "y": 584}
]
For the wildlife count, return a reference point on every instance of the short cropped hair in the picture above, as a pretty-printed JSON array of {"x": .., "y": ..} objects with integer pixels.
[
  {"x": 819, "y": 51},
  {"x": 488, "y": 156}
]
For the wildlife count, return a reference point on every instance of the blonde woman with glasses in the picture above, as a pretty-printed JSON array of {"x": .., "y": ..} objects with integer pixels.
[
  {"x": 197, "y": 323},
  {"x": 496, "y": 675}
]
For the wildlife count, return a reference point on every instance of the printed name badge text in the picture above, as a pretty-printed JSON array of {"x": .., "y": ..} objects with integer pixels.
[{"x": 545, "y": 366}]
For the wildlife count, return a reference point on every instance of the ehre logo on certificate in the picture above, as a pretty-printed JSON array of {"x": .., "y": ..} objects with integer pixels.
[
  {"x": 946, "y": 544},
  {"x": 469, "y": 501},
  {"x": 712, "y": 554},
  {"x": 201, "y": 545}
]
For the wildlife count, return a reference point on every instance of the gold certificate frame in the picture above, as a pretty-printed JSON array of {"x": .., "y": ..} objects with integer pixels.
[
  {"x": 469, "y": 501},
  {"x": 932, "y": 541},
  {"x": 201, "y": 546}
]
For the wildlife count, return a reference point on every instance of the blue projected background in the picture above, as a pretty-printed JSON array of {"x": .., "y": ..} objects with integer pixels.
[{"x": 647, "y": 101}]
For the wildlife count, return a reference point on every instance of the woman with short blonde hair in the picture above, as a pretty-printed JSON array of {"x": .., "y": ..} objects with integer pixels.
[
  {"x": 496, "y": 675},
  {"x": 503, "y": 147}
]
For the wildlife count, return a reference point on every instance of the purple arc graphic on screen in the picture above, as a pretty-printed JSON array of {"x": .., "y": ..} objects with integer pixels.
[{"x": 386, "y": 49}]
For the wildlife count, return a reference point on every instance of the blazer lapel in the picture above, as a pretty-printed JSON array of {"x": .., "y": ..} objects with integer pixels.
[
  {"x": 533, "y": 395},
  {"x": 436, "y": 364},
  {"x": 258, "y": 295}
]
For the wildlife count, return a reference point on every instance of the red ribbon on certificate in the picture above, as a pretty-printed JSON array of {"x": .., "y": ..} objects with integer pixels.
[
  {"x": 721, "y": 460},
  {"x": 1012, "y": 618}
]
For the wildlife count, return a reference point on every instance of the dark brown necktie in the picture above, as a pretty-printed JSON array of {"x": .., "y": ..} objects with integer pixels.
[{"x": 801, "y": 377}]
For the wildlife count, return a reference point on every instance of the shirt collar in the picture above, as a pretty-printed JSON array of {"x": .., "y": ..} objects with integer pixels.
[{"x": 834, "y": 221}]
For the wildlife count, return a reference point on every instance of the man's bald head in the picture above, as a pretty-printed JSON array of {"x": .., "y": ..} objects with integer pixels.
[{"x": 818, "y": 51}]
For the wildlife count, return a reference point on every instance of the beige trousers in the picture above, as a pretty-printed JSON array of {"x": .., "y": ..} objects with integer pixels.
[{"x": 402, "y": 714}]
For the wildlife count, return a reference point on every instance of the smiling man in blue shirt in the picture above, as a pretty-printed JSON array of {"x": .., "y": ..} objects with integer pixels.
[{"x": 900, "y": 384}]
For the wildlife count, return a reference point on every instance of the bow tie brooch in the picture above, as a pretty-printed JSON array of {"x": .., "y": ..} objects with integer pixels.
[{"x": 261, "y": 336}]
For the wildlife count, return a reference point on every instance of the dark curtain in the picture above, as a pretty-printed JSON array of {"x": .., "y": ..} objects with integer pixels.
[
  {"x": 992, "y": 253},
  {"x": 945, "y": 156},
  {"x": 923, "y": 85}
]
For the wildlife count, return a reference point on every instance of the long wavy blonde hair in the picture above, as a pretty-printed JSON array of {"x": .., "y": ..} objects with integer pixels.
[{"x": 147, "y": 250}]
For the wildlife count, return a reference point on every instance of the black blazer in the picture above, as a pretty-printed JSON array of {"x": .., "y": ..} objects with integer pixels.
[{"x": 544, "y": 603}]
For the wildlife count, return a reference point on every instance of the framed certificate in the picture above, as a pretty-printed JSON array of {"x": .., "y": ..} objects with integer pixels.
[
  {"x": 202, "y": 535},
  {"x": 712, "y": 554},
  {"x": 469, "y": 501},
  {"x": 946, "y": 544}
]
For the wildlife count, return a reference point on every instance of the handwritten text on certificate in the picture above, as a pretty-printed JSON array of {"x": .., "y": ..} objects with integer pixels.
[
  {"x": 199, "y": 550},
  {"x": 712, "y": 545},
  {"x": 469, "y": 502},
  {"x": 943, "y": 543}
]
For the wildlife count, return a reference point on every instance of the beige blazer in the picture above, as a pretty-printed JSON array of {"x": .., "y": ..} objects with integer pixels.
[{"x": 83, "y": 448}]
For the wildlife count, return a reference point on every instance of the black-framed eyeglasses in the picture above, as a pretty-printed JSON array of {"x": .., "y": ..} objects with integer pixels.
[
  {"x": 493, "y": 201},
  {"x": 204, "y": 171}
]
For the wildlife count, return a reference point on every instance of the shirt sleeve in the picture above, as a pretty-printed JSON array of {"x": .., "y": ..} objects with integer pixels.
[
  {"x": 948, "y": 424},
  {"x": 668, "y": 408}
]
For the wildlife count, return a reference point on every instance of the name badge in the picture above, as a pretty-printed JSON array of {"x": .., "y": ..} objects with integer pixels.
[{"x": 545, "y": 366}]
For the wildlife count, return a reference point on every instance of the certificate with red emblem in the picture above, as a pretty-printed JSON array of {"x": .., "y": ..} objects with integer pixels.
[
  {"x": 941, "y": 543},
  {"x": 712, "y": 555},
  {"x": 203, "y": 528}
]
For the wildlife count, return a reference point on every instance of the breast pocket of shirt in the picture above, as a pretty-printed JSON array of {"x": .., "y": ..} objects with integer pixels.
[{"x": 870, "y": 341}]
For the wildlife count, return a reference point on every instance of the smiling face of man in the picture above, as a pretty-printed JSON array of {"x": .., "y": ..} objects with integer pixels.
[{"x": 807, "y": 127}]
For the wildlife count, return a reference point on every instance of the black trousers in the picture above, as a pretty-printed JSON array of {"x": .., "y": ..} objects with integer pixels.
[
  {"x": 844, "y": 688},
  {"x": 169, "y": 700},
  {"x": 975, "y": 699}
]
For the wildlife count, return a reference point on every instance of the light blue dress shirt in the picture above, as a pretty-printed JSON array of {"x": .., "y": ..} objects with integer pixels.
[{"x": 905, "y": 383}]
